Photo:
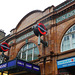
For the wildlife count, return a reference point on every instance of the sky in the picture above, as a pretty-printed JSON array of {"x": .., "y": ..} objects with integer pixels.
[{"x": 12, "y": 11}]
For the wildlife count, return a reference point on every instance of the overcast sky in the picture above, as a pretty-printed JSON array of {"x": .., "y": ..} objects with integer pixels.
[{"x": 12, "y": 11}]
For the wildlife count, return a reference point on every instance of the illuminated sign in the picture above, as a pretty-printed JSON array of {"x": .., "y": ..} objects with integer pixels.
[
  {"x": 4, "y": 47},
  {"x": 28, "y": 65},
  {"x": 42, "y": 28},
  {"x": 2, "y": 66},
  {"x": 36, "y": 68},
  {"x": 61, "y": 18},
  {"x": 11, "y": 63},
  {"x": 20, "y": 64},
  {"x": 66, "y": 62}
]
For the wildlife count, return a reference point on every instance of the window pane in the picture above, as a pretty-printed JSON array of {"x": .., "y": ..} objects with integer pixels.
[
  {"x": 34, "y": 45},
  {"x": 73, "y": 43},
  {"x": 72, "y": 35},
  {"x": 30, "y": 45},
  {"x": 19, "y": 55},
  {"x": 74, "y": 28},
  {"x": 36, "y": 53},
  {"x": 71, "y": 30},
  {"x": 67, "y": 37},
  {"x": 5, "y": 74},
  {"x": 21, "y": 49},
  {"x": 65, "y": 45},
  {"x": 64, "y": 38},
  {"x": 29, "y": 57},
  {"x": 25, "y": 47},
  {"x": 26, "y": 52},
  {"x": 24, "y": 55},
  {"x": 73, "y": 40},
  {"x": 68, "y": 41}
]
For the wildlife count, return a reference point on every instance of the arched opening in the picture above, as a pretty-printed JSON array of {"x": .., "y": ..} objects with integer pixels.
[
  {"x": 68, "y": 41},
  {"x": 28, "y": 52}
]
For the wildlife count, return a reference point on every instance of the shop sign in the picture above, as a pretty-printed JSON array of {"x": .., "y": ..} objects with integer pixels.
[
  {"x": 61, "y": 18},
  {"x": 66, "y": 62}
]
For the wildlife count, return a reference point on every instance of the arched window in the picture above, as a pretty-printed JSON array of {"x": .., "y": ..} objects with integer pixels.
[
  {"x": 28, "y": 52},
  {"x": 68, "y": 41}
]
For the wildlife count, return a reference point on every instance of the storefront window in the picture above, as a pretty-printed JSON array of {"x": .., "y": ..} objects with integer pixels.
[
  {"x": 68, "y": 41},
  {"x": 5, "y": 74},
  {"x": 28, "y": 52}
]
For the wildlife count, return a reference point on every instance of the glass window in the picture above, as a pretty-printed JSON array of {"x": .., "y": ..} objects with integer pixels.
[
  {"x": 28, "y": 52},
  {"x": 23, "y": 55},
  {"x": 29, "y": 57},
  {"x": 68, "y": 41},
  {"x": 30, "y": 45},
  {"x": 74, "y": 28},
  {"x": 36, "y": 52},
  {"x": 5, "y": 74}
]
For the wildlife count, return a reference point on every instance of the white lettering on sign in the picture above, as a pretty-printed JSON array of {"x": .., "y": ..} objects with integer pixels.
[
  {"x": 20, "y": 63},
  {"x": 65, "y": 61},
  {"x": 65, "y": 16},
  {"x": 3, "y": 65},
  {"x": 36, "y": 68},
  {"x": 24, "y": 36},
  {"x": 28, "y": 65}
]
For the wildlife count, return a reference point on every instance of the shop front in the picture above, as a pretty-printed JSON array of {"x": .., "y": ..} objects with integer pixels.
[
  {"x": 19, "y": 67},
  {"x": 66, "y": 66}
]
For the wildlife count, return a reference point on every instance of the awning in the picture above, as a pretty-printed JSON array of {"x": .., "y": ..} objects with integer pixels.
[{"x": 18, "y": 65}]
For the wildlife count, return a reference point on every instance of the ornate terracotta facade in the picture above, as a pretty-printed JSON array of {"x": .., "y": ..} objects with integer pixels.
[{"x": 56, "y": 23}]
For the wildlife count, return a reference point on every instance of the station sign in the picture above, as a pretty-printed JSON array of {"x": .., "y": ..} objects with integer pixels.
[
  {"x": 4, "y": 47},
  {"x": 39, "y": 29},
  {"x": 42, "y": 28}
]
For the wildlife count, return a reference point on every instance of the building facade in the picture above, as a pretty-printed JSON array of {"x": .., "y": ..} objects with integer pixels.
[
  {"x": 2, "y": 34},
  {"x": 58, "y": 58}
]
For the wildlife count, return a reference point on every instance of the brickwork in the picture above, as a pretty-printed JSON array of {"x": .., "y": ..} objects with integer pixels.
[{"x": 48, "y": 56}]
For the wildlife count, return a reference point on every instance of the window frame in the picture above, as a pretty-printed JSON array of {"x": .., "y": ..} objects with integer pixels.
[
  {"x": 69, "y": 33},
  {"x": 26, "y": 50}
]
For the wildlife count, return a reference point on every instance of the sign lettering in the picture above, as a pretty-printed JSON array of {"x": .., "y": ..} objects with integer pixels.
[
  {"x": 65, "y": 16},
  {"x": 28, "y": 66},
  {"x": 24, "y": 36},
  {"x": 66, "y": 62},
  {"x": 20, "y": 63},
  {"x": 3, "y": 66},
  {"x": 36, "y": 68}
]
